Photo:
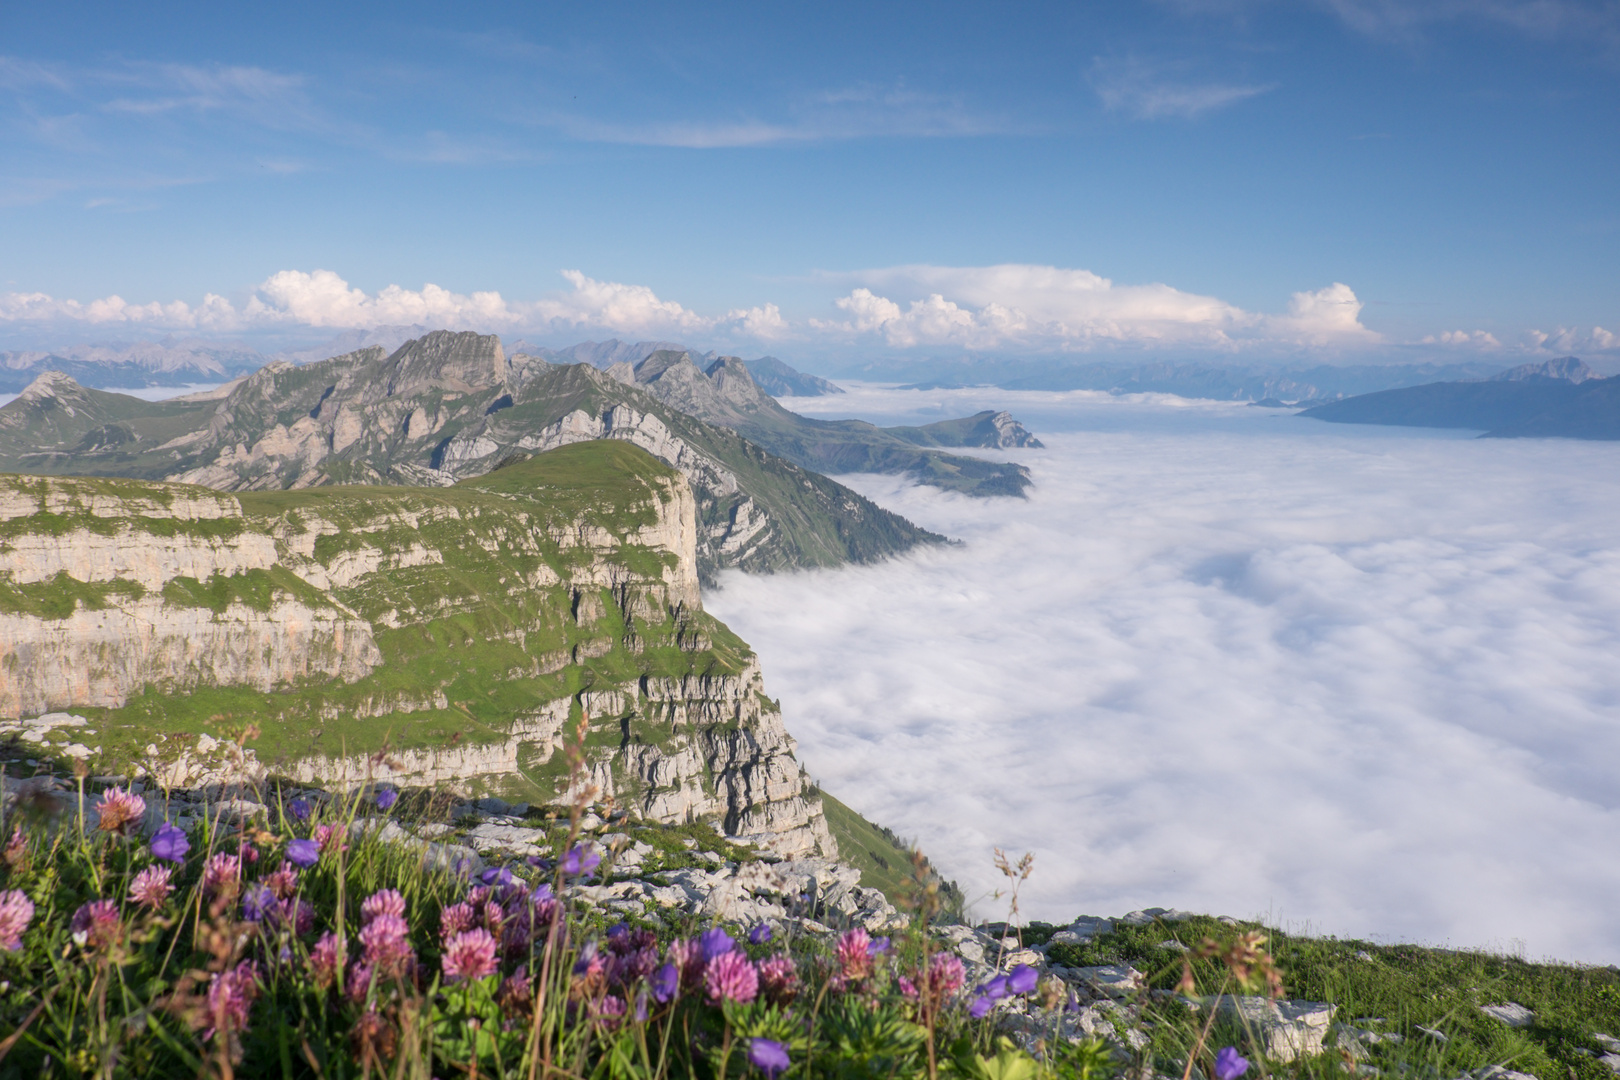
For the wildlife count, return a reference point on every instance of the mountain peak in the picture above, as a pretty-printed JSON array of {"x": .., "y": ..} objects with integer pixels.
[
  {"x": 1569, "y": 368},
  {"x": 463, "y": 363},
  {"x": 51, "y": 384}
]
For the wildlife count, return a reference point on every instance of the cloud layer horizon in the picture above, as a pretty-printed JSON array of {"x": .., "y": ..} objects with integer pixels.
[
  {"x": 1014, "y": 308},
  {"x": 1357, "y": 679}
]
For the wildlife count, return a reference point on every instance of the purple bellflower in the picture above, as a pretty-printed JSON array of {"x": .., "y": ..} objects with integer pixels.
[
  {"x": 305, "y": 853},
  {"x": 170, "y": 844},
  {"x": 715, "y": 942},
  {"x": 769, "y": 1056},
  {"x": 1229, "y": 1065}
]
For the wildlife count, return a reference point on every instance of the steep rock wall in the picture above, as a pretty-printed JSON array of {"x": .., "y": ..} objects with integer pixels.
[{"x": 473, "y": 628}]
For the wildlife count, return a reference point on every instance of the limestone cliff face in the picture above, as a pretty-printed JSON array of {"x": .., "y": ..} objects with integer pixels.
[
  {"x": 56, "y": 534},
  {"x": 99, "y": 658},
  {"x": 466, "y": 636}
]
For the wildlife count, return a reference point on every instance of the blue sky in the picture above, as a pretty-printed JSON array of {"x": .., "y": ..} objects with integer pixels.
[{"x": 1347, "y": 178}]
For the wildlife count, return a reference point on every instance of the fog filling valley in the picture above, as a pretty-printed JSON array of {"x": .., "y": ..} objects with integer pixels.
[{"x": 1360, "y": 680}]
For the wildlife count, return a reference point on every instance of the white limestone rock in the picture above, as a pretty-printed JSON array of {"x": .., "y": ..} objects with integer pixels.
[
  {"x": 1512, "y": 1014},
  {"x": 1286, "y": 1030}
]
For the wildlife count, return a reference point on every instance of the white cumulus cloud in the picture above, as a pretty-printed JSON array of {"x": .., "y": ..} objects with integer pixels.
[
  {"x": 323, "y": 298},
  {"x": 1013, "y": 305},
  {"x": 1573, "y": 339},
  {"x": 1465, "y": 339}
]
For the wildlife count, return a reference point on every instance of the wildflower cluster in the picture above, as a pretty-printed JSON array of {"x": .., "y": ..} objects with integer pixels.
[{"x": 321, "y": 937}]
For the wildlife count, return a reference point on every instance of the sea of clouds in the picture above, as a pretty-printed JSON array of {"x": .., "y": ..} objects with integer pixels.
[{"x": 1360, "y": 680}]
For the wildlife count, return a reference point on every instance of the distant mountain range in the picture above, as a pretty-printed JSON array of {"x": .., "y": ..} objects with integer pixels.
[
  {"x": 448, "y": 406},
  {"x": 1227, "y": 382},
  {"x": 1561, "y": 398},
  {"x": 177, "y": 362}
]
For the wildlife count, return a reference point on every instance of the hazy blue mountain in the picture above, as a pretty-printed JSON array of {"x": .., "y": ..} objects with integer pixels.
[
  {"x": 1524, "y": 402},
  {"x": 1570, "y": 368},
  {"x": 1223, "y": 382},
  {"x": 779, "y": 380},
  {"x": 170, "y": 362}
]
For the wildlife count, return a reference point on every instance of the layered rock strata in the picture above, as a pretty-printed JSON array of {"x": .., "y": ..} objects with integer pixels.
[{"x": 471, "y": 637}]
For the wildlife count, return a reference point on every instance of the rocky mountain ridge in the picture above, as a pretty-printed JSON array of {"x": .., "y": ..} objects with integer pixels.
[
  {"x": 439, "y": 409},
  {"x": 725, "y": 394}
]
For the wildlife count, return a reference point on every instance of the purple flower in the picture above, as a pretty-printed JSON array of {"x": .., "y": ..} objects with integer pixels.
[
  {"x": 299, "y": 914},
  {"x": 995, "y": 989},
  {"x": 387, "y": 798},
  {"x": 946, "y": 974},
  {"x": 769, "y": 1056},
  {"x": 151, "y": 887},
  {"x": 715, "y": 943},
  {"x": 1023, "y": 980},
  {"x": 778, "y": 979},
  {"x": 980, "y": 1007},
  {"x": 222, "y": 873},
  {"x": 580, "y": 861},
  {"x": 305, "y": 853},
  {"x": 731, "y": 977},
  {"x": 120, "y": 809},
  {"x": 326, "y": 960},
  {"x": 666, "y": 983},
  {"x": 878, "y": 947},
  {"x": 299, "y": 809},
  {"x": 231, "y": 995},
  {"x": 96, "y": 924},
  {"x": 170, "y": 844},
  {"x": 258, "y": 902},
  {"x": 16, "y": 911},
  {"x": 1229, "y": 1065},
  {"x": 469, "y": 955},
  {"x": 854, "y": 955},
  {"x": 760, "y": 934},
  {"x": 382, "y": 902},
  {"x": 496, "y": 876},
  {"x": 589, "y": 963},
  {"x": 385, "y": 939}
]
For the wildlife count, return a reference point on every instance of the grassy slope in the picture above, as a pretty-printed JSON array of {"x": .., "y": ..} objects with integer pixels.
[
  {"x": 470, "y": 628},
  {"x": 105, "y": 435},
  {"x": 1392, "y": 989}
]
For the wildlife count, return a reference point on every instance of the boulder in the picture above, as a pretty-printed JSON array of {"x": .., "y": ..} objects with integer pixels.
[{"x": 1285, "y": 1030}]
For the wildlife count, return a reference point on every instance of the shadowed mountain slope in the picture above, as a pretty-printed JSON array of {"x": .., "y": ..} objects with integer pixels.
[
  {"x": 779, "y": 380},
  {"x": 726, "y": 394}
]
